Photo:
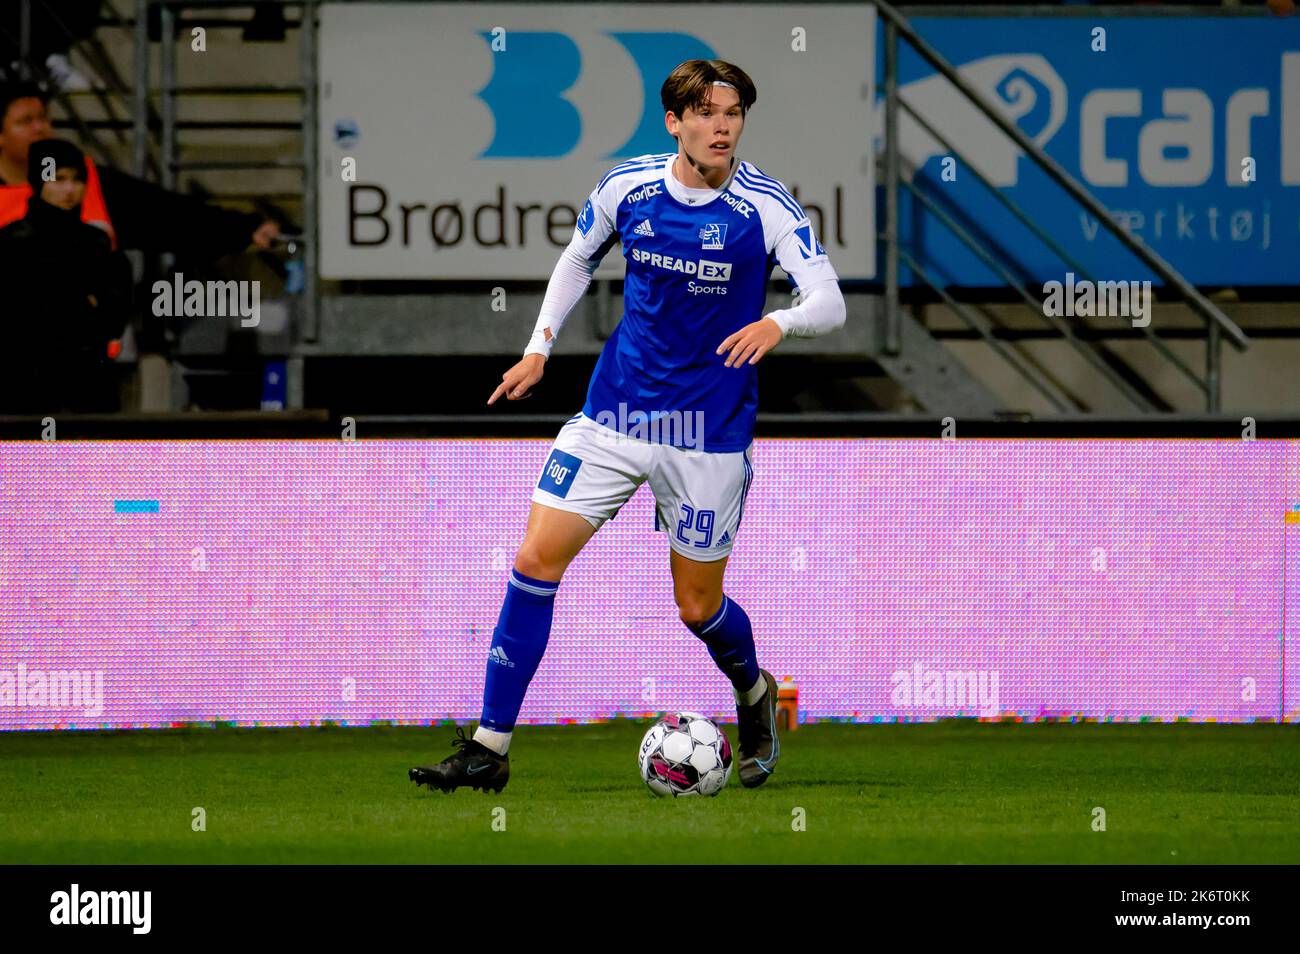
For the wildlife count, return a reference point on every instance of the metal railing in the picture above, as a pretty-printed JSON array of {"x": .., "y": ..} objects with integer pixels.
[{"x": 1217, "y": 323}]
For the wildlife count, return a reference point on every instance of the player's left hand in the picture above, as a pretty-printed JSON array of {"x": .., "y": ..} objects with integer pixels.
[{"x": 752, "y": 342}]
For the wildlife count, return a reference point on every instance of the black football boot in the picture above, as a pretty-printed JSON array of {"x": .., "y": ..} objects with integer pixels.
[{"x": 473, "y": 765}]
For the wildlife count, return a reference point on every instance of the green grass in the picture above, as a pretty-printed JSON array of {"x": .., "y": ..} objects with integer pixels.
[{"x": 953, "y": 792}]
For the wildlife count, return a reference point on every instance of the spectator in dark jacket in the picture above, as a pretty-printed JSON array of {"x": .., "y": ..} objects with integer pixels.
[
  {"x": 138, "y": 214},
  {"x": 65, "y": 294}
]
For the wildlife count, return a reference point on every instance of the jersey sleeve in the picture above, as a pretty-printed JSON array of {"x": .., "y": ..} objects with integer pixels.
[
  {"x": 821, "y": 309},
  {"x": 800, "y": 255},
  {"x": 568, "y": 283},
  {"x": 595, "y": 233},
  {"x": 593, "y": 236}
]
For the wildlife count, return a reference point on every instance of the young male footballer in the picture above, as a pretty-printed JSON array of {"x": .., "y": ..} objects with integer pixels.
[{"x": 701, "y": 231}]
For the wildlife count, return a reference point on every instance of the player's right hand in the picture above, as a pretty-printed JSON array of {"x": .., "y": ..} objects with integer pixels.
[{"x": 517, "y": 383}]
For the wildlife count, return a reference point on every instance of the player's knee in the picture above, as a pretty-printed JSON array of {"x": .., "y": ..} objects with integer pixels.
[
  {"x": 696, "y": 607},
  {"x": 531, "y": 561}
]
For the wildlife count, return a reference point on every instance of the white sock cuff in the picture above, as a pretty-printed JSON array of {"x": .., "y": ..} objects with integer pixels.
[
  {"x": 498, "y": 742},
  {"x": 754, "y": 694}
]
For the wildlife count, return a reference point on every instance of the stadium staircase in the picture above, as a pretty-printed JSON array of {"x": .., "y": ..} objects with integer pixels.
[{"x": 902, "y": 335}]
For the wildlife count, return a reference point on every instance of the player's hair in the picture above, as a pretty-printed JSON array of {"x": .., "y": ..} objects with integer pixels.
[{"x": 688, "y": 85}]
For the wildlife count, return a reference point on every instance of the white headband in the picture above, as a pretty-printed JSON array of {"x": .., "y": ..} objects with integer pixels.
[{"x": 720, "y": 83}]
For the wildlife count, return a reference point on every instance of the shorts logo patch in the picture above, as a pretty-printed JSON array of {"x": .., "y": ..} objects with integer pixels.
[{"x": 558, "y": 474}]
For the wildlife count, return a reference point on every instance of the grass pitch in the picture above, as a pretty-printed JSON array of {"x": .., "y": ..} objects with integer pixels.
[{"x": 952, "y": 792}]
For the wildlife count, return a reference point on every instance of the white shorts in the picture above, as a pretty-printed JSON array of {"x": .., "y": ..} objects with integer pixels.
[{"x": 592, "y": 470}]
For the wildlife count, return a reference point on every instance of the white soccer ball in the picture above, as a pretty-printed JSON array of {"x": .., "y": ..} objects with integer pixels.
[{"x": 685, "y": 754}]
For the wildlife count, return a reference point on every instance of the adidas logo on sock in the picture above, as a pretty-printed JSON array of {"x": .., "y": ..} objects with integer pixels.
[
  {"x": 644, "y": 229},
  {"x": 498, "y": 655}
]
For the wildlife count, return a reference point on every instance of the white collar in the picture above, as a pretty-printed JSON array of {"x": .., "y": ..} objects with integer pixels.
[{"x": 691, "y": 196}]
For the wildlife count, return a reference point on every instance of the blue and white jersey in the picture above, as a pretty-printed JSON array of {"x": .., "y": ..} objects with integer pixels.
[{"x": 698, "y": 265}]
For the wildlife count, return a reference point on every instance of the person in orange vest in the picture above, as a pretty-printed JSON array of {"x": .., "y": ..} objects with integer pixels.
[
  {"x": 135, "y": 214},
  {"x": 66, "y": 294}
]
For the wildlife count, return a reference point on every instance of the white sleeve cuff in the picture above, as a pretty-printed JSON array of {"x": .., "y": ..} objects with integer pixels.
[
  {"x": 538, "y": 344},
  {"x": 820, "y": 311}
]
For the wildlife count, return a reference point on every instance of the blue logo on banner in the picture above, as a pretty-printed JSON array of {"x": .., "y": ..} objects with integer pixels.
[
  {"x": 346, "y": 133},
  {"x": 1201, "y": 163},
  {"x": 655, "y": 55},
  {"x": 532, "y": 119},
  {"x": 558, "y": 474}
]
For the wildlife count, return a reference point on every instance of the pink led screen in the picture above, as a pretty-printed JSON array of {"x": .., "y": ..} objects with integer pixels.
[{"x": 293, "y": 582}]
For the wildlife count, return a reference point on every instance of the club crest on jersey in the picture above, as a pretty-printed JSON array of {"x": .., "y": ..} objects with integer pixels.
[
  {"x": 587, "y": 219},
  {"x": 713, "y": 235},
  {"x": 809, "y": 247}
]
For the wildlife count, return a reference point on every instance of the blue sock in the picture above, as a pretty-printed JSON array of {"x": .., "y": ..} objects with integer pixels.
[
  {"x": 518, "y": 643},
  {"x": 730, "y": 641}
]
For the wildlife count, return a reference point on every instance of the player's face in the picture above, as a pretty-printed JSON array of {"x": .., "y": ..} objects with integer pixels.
[{"x": 709, "y": 134}]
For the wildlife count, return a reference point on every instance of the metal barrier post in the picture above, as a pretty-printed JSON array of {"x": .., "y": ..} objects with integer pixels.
[
  {"x": 307, "y": 305},
  {"x": 893, "y": 320},
  {"x": 24, "y": 39},
  {"x": 167, "y": 179},
  {"x": 140, "y": 98},
  {"x": 1213, "y": 378},
  {"x": 310, "y": 210},
  {"x": 167, "y": 64}
]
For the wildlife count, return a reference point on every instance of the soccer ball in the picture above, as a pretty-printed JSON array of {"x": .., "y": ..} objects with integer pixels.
[{"x": 685, "y": 754}]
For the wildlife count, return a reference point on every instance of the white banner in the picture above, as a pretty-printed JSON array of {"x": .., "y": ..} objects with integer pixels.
[{"x": 460, "y": 140}]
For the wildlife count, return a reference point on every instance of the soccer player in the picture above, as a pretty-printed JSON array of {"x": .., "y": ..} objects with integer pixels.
[{"x": 672, "y": 400}]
